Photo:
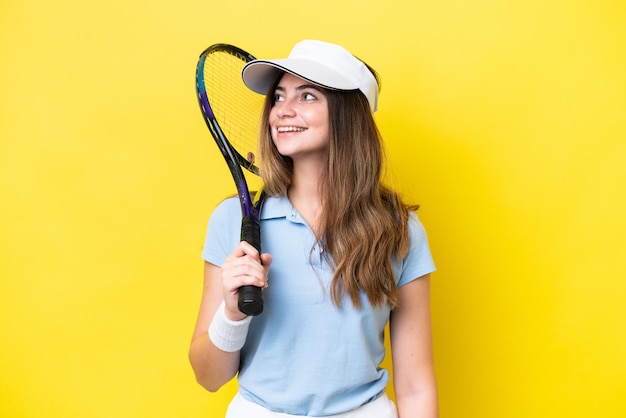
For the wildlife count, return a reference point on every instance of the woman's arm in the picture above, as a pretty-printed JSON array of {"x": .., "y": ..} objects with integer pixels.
[
  {"x": 411, "y": 347},
  {"x": 213, "y": 367}
]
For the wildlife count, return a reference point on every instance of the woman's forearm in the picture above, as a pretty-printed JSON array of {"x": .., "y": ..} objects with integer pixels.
[{"x": 213, "y": 368}]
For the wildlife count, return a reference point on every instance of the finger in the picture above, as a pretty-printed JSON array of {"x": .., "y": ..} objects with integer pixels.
[
  {"x": 248, "y": 249},
  {"x": 243, "y": 249},
  {"x": 243, "y": 271},
  {"x": 266, "y": 259}
]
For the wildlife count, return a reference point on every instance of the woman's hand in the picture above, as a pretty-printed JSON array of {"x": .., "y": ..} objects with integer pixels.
[{"x": 243, "y": 267}]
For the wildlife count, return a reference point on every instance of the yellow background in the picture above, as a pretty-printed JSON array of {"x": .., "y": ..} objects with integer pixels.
[{"x": 503, "y": 119}]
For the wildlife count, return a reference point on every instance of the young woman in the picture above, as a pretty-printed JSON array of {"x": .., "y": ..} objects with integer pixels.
[{"x": 343, "y": 255}]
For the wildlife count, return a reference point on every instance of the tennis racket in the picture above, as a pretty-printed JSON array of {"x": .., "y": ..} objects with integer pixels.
[{"x": 232, "y": 113}]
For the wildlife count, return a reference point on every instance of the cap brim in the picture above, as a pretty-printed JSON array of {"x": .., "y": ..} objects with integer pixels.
[{"x": 259, "y": 75}]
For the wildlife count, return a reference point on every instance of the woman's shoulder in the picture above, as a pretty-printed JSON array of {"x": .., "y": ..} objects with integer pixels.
[
  {"x": 418, "y": 234},
  {"x": 227, "y": 208},
  {"x": 415, "y": 224}
]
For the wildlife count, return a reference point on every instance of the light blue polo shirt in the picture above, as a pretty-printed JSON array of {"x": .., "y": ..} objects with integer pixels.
[{"x": 303, "y": 355}]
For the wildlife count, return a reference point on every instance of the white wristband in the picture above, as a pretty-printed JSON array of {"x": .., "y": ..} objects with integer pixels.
[{"x": 228, "y": 335}]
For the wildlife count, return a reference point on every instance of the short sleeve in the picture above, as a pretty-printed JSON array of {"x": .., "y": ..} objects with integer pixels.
[
  {"x": 419, "y": 260},
  {"x": 223, "y": 232}
]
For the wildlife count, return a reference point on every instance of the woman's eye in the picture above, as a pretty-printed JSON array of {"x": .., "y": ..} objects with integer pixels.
[
  {"x": 278, "y": 98},
  {"x": 308, "y": 96}
]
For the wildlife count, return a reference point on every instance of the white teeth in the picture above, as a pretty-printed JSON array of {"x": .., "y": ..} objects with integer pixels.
[{"x": 290, "y": 129}]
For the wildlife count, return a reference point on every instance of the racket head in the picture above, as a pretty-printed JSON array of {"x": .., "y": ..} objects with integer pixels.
[{"x": 231, "y": 110}]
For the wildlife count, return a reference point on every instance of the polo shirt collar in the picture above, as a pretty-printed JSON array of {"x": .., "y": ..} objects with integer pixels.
[{"x": 276, "y": 207}]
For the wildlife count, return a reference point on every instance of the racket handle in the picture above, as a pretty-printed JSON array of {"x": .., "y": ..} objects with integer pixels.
[{"x": 250, "y": 297}]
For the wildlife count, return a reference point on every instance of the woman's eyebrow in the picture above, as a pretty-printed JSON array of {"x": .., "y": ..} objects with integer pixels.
[{"x": 301, "y": 87}]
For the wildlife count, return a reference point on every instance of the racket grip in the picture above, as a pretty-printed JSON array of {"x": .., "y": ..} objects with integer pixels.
[{"x": 250, "y": 297}]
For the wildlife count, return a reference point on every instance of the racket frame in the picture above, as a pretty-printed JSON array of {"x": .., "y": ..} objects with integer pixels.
[{"x": 250, "y": 297}]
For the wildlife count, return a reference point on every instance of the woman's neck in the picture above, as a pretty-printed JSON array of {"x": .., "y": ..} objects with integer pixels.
[{"x": 305, "y": 194}]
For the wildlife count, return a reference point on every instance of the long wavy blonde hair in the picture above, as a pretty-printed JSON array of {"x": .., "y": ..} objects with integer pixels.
[{"x": 363, "y": 222}]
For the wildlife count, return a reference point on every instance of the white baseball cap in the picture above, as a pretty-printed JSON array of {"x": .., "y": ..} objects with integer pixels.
[{"x": 324, "y": 64}]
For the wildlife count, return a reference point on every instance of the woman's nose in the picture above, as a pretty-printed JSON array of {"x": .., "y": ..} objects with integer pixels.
[{"x": 285, "y": 109}]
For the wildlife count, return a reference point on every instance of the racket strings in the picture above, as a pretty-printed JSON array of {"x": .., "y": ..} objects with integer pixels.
[{"x": 236, "y": 108}]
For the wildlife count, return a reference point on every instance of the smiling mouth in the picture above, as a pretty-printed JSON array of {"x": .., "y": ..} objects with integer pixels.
[{"x": 283, "y": 129}]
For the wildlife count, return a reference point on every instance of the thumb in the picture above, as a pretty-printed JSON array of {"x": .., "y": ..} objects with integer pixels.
[{"x": 266, "y": 259}]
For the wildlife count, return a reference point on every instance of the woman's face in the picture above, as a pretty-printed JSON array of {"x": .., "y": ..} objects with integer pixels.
[{"x": 299, "y": 119}]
